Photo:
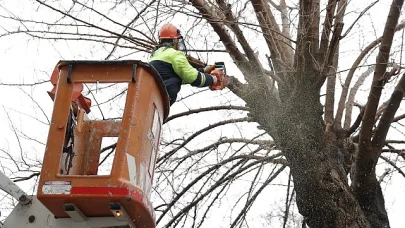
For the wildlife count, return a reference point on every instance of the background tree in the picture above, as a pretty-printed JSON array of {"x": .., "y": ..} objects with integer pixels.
[{"x": 288, "y": 89}]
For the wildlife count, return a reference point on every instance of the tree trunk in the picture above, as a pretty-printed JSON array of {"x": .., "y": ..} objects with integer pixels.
[
  {"x": 323, "y": 197},
  {"x": 369, "y": 195},
  {"x": 317, "y": 165},
  {"x": 316, "y": 159}
]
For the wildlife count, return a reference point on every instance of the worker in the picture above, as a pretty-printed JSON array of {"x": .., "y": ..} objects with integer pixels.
[{"x": 170, "y": 61}]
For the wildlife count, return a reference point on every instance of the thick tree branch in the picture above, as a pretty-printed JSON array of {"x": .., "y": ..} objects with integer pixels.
[
  {"x": 215, "y": 22},
  {"x": 346, "y": 86},
  {"x": 356, "y": 123},
  {"x": 286, "y": 27},
  {"x": 352, "y": 95},
  {"x": 388, "y": 116},
  {"x": 398, "y": 118},
  {"x": 232, "y": 22},
  {"x": 330, "y": 91},
  {"x": 307, "y": 38},
  {"x": 271, "y": 32},
  {"x": 254, "y": 74},
  {"x": 365, "y": 185},
  {"x": 378, "y": 80},
  {"x": 315, "y": 26},
  {"x": 335, "y": 40},
  {"x": 327, "y": 29}
]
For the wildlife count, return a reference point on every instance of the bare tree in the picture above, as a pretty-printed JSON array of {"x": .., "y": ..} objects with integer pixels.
[{"x": 288, "y": 89}]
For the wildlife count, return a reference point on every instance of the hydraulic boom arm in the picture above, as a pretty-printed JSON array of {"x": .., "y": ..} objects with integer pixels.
[{"x": 11, "y": 188}]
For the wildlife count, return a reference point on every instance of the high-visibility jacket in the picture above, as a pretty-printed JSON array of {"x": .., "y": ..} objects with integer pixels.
[{"x": 175, "y": 70}]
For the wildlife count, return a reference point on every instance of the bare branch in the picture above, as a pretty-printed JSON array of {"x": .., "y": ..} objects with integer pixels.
[
  {"x": 213, "y": 108},
  {"x": 271, "y": 33},
  {"x": 213, "y": 187},
  {"x": 330, "y": 91},
  {"x": 227, "y": 11},
  {"x": 365, "y": 185},
  {"x": 230, "y": 46},
  {"x": 393, "y": 165},
  {"x": 252, "y": 199},
  {"x": 19, "y": 179},
  {"x": 24, "y": 84},
  {"x": 335, "y": 40},
  {"x": 127, "y": 26},
  {"x": 358, "y": 17},
  {"x": 356, "y": 123},
  {"x": 346, "y": 86},
  {"x": 170, "y": 153},
  {"x": 352, "y": 95},
  {"x": 378, "y": 79},
  {"x": 267, "y": 143},
  {"x": 395, "y": 141},
  {"x": 327, "y": 27},
  {"x": 287, "y": 201},
  {"x": 93, "y": 25},
  {"x": 388, "y": 115},
  {"x": 398, "y": 118}
]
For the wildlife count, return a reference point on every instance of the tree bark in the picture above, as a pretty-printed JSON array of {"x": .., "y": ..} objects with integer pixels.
[
  {"x": 316, "y": 160},
  {"x": 317, "y": 164}
]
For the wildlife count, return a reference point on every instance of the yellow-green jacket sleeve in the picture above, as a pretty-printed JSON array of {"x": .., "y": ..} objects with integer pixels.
[{"x": 183, "y": 68}]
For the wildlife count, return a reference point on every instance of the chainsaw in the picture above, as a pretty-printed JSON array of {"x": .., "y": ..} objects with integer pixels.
[{"x": 220, "y": 73}]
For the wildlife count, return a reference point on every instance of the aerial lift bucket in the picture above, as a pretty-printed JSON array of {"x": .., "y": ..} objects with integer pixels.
[{"x": 76, "y": 190}]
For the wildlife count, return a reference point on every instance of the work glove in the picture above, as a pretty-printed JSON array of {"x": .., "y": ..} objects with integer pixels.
[
  {"x": 221, "y": 80},
  {"x": 209, "y": 68}
]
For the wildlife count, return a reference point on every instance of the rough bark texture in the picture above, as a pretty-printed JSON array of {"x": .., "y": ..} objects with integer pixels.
[
  {"x": 323, "y": 195},
  {"x": 316, "y": 160},
  {"x": 319, "y": 153}
]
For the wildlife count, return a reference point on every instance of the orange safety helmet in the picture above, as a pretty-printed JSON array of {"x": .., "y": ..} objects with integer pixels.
[{"x": 169, "y": 31}]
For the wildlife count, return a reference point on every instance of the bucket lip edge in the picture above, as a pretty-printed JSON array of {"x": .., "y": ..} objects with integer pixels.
[{"x": 151, "y": 69}]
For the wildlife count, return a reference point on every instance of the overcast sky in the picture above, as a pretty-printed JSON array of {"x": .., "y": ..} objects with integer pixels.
[{"x": 27, "y": 60}]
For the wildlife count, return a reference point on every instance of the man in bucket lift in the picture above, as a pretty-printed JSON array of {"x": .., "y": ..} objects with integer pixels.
[{"x": 170, "y": 61}]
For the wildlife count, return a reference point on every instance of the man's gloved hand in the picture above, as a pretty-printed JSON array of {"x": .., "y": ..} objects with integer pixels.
[
  {"x": 209, "y": 68},
  {"x": 221, "y": 80}
]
